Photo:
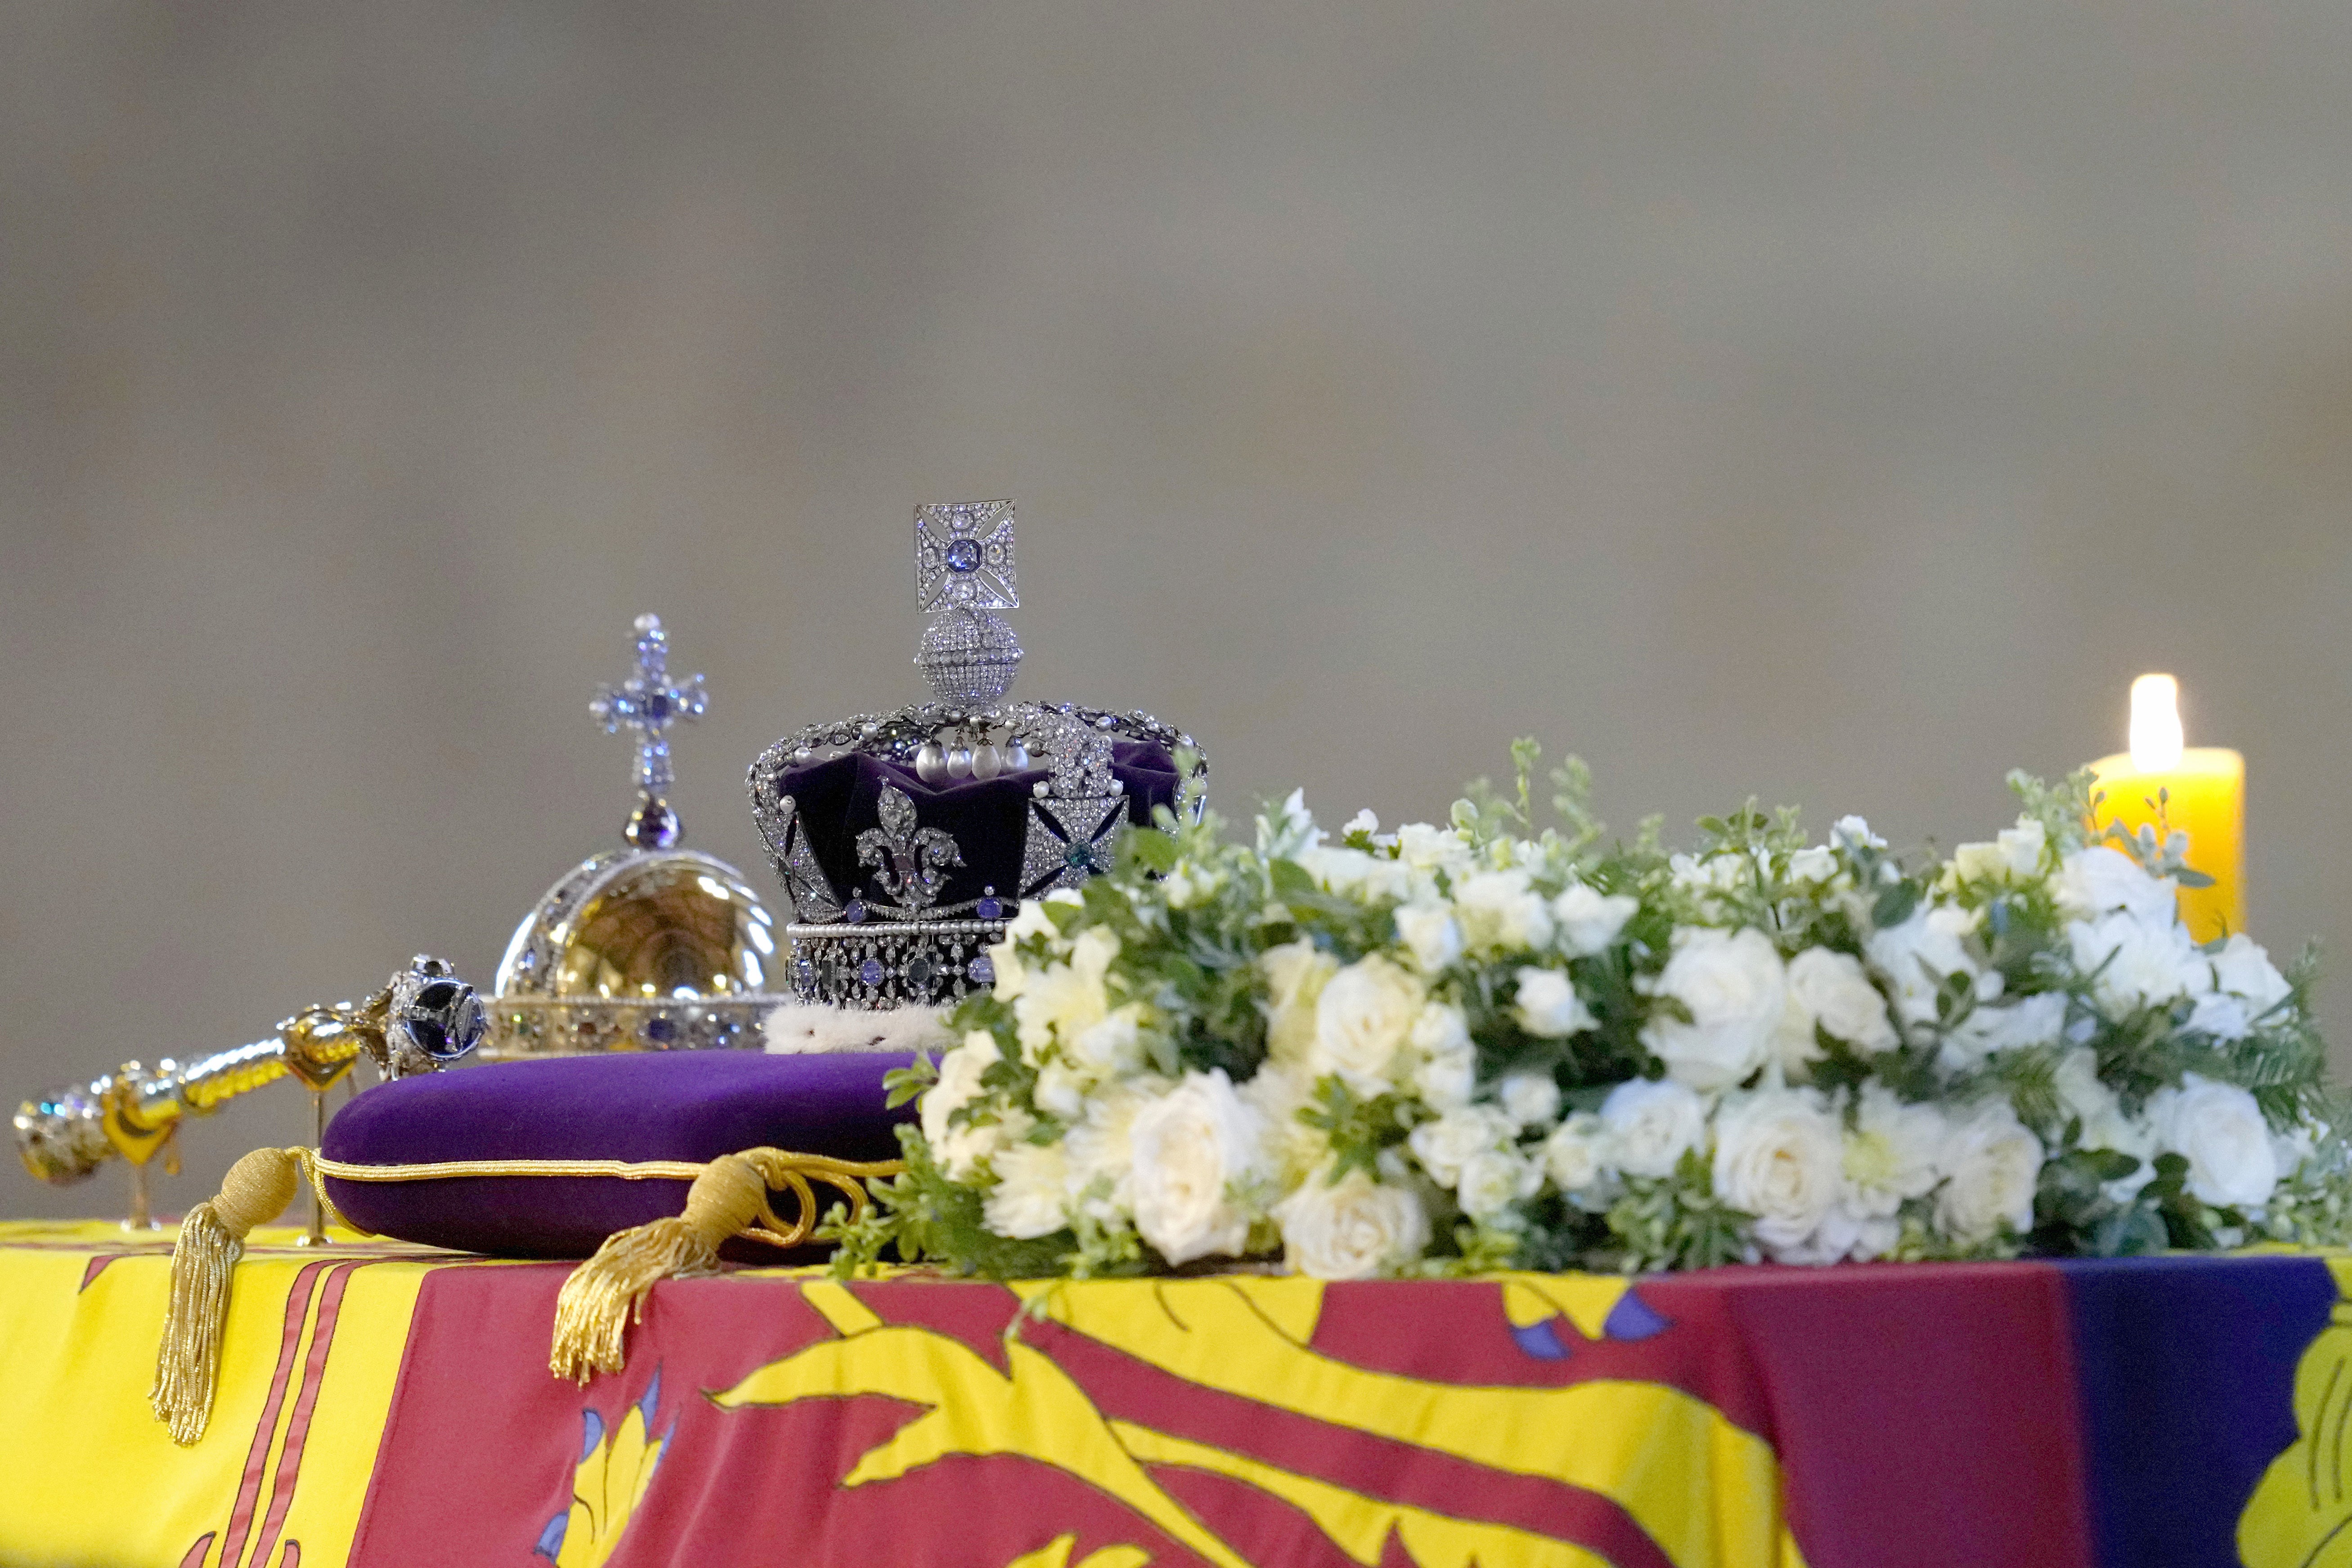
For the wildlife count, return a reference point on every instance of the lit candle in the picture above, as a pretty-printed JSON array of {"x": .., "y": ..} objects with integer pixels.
[{"x": 2199, "y": 791}]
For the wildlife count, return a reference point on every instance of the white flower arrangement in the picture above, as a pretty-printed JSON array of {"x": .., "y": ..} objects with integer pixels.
[{"x": 1476, "y": 1045}]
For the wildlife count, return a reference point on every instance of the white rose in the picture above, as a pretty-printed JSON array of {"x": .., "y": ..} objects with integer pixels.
[
  {"x": 2100, "y": 880},
  {"x": 1428, "y": 933},
  {"x": 1427, "y": 848},
  {"x": 1447, "y": 1145},
  {"x": 1362, "y": 1018},
  {"x": 2138, "y": 965},
  {"x": 1499, "y": 912},
  {"x": 1495, "y": 1179},
  {"x": 1891, "y": 1154},
  {"x": 1189, "y": 1147},
  {"x": 1354, "y": 1229},
  {"x": 959, "y": 1149},
  {"x": 1779, "y": 1156},
  {"x": 1589, "y": 920},
  {"x": 1990, "y": 1163},
  {"x": 1652, "y": 1123},
  {"x": 2221, "y": 1131},
  {"x": 1530, "y": 1099},
  {"x": 1736, "y": 988},
  {"x": 1031, "y": 1188},
  {"x": 1296, "y": 973},
  {"x": 1818, "y": 864},
  {"x": 1578, "y": 1156},
  {"x": 2243, "y": 968},
  {"x": 1916, "y": 957},
  {"x": 1549, "y": 1006},
  {"x": 1831, "y": 988}
]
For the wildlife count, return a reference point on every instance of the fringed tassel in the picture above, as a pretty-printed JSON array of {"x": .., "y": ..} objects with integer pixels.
[
  {"x": 212, "y": 1238},
  {"x": 607, "y": 1293}
]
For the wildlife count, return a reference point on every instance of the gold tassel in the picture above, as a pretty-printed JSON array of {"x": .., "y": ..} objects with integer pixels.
[
  {"x": 607, "y": 1293},
  {"x": 212, "y": 1238}
]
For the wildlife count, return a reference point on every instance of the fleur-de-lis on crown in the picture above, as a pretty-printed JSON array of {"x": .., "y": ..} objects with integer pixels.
[{"x": 909, "y": 862}]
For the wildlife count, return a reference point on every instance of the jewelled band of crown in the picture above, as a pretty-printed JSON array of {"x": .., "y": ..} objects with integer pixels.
[
  {"x": 875, "y": 966},
  {"x": 1072, "y": 819}
]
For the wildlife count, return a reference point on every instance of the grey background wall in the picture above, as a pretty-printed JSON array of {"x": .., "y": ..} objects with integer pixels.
[{"x": 1836, "y": 402}]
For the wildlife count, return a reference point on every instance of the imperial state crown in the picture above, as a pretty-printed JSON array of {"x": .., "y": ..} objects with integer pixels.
[{"x": 908, "y": 841}]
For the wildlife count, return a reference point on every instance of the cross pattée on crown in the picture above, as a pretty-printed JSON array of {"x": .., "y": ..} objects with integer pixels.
[
  {"x": 648, "y": 704},
  {"x": 963, "y": 557}
]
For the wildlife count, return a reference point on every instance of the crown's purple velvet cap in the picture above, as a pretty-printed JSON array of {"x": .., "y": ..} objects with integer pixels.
[
  {"x": 989, "y": 819},
  {"x": 663, "y": 1105}
]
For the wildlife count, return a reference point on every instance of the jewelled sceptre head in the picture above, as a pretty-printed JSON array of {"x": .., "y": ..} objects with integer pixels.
[{"x": 650, "y": 704}]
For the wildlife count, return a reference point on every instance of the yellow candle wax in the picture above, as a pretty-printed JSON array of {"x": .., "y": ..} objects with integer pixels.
[{"x": 2199, "y": 791}]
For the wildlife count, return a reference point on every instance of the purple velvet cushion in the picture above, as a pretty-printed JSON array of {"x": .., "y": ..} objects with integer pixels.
[{"x": 667, "y": 1105}]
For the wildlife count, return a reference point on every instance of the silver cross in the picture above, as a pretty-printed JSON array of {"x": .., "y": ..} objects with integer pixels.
[{"x": 647, "y": 703}]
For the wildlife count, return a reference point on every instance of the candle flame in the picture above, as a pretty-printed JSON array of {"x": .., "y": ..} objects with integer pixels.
[{"x": 2156, "y": 735}]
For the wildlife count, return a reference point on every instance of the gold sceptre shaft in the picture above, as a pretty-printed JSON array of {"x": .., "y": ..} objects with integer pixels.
[{"x": 424, "y": 1019}]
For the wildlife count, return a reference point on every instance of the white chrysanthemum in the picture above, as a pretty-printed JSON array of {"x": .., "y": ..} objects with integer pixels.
[
  {"x": 1990, "y": 1164},
  {"x": 1102, "y": 1161},
  {"x": 1588, "y": 920},
  {"x": 1191, "y": 1148},
  {"x": 1447, "y": 1145},
  {"x": 1549, "y": 1006},
  {"x": 1736, "y": 989},
  {"x": 2221, "y": 1131},
  {"x": 1032, "y": 1191},
  {"x": 1296, "y": 973},
  {"x": 1918, "y": 957},
  {"x": 1891, "y": 1154},
  {"x": 1779, "y": 1156},
  {"x": 1355, "y": 1229},
  {"x": 1500, "y": 911},
  {"x": 1652, "y": 1123},
  {"x": 1364, "y": 1018}
]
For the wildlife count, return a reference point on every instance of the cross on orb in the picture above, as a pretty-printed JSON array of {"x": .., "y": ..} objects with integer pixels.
[{"x": 650, "y": 704}]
